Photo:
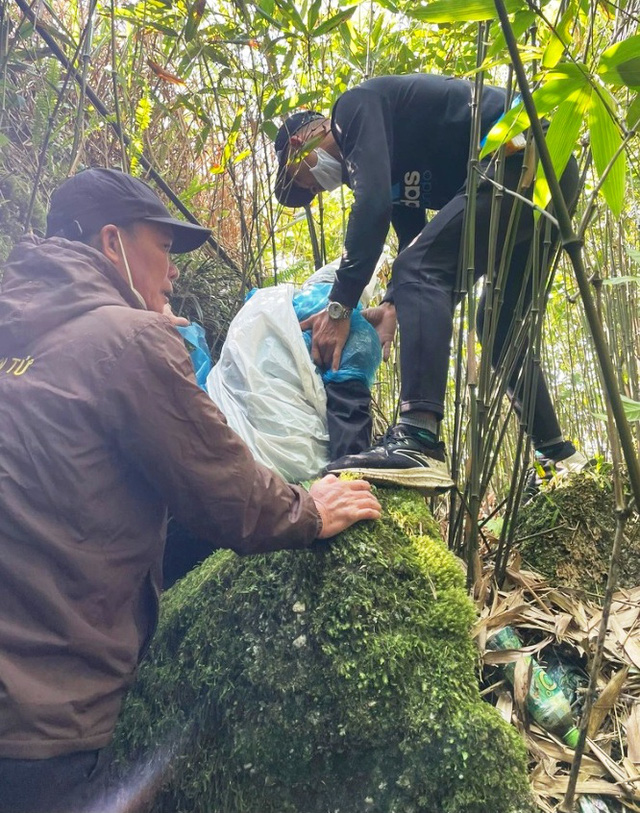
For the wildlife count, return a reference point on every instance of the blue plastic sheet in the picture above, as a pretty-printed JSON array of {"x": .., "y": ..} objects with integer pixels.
[
  {"x": 196, "y": 343},
  {"x": 362, "y": 353}
]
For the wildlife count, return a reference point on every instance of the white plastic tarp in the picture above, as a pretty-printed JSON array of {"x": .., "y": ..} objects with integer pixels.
[{"x": 267, "y": 386}]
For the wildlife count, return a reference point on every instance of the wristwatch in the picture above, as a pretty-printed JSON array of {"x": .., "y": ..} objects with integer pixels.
[{"x": 338, "y": 311}]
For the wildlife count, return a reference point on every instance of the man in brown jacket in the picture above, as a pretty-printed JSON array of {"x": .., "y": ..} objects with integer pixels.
[{"x": 103, "y": 428}]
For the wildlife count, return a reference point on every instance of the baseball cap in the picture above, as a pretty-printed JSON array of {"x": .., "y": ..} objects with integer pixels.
[
  {"x": 96, "y": 197},
  {"x": 287, "y": 192}
]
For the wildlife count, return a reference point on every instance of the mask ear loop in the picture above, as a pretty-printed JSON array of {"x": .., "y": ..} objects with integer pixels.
[{"x": 129, "y": 277}]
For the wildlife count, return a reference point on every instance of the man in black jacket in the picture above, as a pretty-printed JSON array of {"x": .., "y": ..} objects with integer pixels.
[{"x": 401, "y": 143}]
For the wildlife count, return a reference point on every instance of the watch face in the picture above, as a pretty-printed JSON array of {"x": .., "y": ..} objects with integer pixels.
[{"x": 338, "y": 311}]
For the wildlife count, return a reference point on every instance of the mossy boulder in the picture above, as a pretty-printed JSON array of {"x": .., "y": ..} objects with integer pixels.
[
  {"x": 566, "y": 533},
  {"x": 340, "y": 679}
]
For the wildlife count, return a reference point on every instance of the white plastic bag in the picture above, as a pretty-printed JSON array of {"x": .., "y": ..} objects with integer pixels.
[{"x": 267, "y": 386}]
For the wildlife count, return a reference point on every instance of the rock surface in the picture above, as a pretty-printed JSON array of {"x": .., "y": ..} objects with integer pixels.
[
  {"x": 338, "y": 680},
  {"x": 566, "y": 534}
]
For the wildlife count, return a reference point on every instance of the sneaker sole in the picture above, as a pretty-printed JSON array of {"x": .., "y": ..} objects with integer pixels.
[{"x": 420, "y": 478}]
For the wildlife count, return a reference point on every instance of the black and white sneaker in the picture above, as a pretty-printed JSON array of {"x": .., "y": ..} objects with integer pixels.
[
  {"x": 546, "y": 470},
  {"x": 399, "y": 458}
]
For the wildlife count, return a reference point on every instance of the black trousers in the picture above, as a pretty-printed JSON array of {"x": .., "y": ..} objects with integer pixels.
[
  {"x": 424, "y": 279},
  {"x": 348, "y": 417},
  {"x": 73, "y": 783}
]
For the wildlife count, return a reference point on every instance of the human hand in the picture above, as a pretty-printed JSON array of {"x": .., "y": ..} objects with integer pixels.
[
  {"x": 383, "y": 319},
  {"x": 341, "y": 503},
  {"x": 176, "y": 321},
  {"x": 328, "y": 338}
]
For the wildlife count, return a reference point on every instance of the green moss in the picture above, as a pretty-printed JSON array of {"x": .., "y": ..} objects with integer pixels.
[
  {"x": 339, "y": 679},
  {"x": 566, "y": 533}
]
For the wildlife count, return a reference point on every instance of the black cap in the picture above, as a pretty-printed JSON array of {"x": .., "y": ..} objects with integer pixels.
[
  {"x": 287, "y": 192},
  {"x": 96, "y": 197}
]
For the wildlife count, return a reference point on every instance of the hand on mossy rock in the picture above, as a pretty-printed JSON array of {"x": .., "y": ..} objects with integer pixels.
[{"x": 341, "y": 503}]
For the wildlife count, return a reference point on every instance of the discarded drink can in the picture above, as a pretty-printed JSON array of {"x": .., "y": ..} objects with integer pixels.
[
  {"x": 592, "y": 804},
  {"x": 546, "y": 701}
]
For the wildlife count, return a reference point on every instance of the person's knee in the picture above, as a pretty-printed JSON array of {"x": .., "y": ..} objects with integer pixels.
[{"x": 411, "y": 272}]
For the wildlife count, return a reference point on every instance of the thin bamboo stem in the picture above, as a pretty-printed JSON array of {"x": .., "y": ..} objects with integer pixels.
[
  {"x": 573, "y": 246},
  {"x": 101, "y": 108}
]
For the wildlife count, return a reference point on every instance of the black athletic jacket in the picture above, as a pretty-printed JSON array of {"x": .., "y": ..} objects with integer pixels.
[{"x": 405, "y": 144}]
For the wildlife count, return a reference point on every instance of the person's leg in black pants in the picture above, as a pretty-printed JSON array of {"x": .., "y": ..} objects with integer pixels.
[
  {"x": 518, "y": 287},
  {"x": 424, "y": 284},
  {"x": 348, "y": 417},
  {"x": 424, "y": 280}
]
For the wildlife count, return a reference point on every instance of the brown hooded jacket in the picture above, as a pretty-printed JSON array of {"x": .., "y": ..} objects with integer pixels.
[{"x": 102, "y": 426}]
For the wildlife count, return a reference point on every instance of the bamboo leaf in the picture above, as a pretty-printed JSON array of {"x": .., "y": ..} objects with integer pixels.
[
  {"x": 292, "y": 15},
  {"x": 334, "y": 22},
  {"x": 269, "y": 18},
  {"x": 633, "y": 113},
  {"x": 620, "y": 280},
  {"x": 521, "y": 21},
  {"x": 456, "y": 11},
  {"x": 561, "y": 139},
  {"x": 281, "y": 106},
  {"x": 561, "y": 82},
  {"x": 631, "y": 408},
  {"x": 314, "y": 12},
  {"x": 560, "y": 38},
  {"x": 605, "y": 140},
  {"x": 606, "y": 701},
  {"x": 620, "y": 64},
  {"x": 633, "y": 734},
  {"x": 193, "y": 21}
]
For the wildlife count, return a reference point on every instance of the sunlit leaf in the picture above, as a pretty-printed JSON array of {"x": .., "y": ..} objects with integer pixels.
[
  {"x": 620, "y": 280},
  {"x": 631, "y": 408},
  {"x": 561, "y": 139},
  {"x": 312, "y": 16},
  {"x": 292, "y": 15},
  {"x": 334, "y": 22},
  {"x": 456, "y": 11},
  {"x": 559, "y": 38},
  {"x": 560, "y": 83},
  {"x": 521, "y": 21},
  {"x": 620, "y": 64},
  {"x": 193, "y": 21},
  {"x": 282, "y": 105},
  {"x": 269, "y": 18},
  {"x": 633, "y": 113},
  {"x": 605, "y": 140}
]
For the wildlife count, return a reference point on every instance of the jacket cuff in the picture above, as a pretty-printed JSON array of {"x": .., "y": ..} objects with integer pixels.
[{"x": 346, "y": 292}]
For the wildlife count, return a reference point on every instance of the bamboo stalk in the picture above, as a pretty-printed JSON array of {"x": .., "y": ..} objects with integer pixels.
[
  {"x": 573, "y": 246},
  {"x": 101, "y": 108}
]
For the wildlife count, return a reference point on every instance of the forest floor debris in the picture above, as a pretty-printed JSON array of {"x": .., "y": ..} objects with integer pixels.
[{"x": 559, "y": 625}]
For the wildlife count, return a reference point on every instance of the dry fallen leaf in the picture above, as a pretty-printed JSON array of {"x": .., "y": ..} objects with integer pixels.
[
  {"x": 633, "y": 734},
  {"x": 606, "y": 701}
]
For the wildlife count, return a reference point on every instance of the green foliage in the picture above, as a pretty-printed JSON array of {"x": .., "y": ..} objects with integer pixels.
[
  {"x": 15, "y": 194},
  {"x": 342, "y": 678}
]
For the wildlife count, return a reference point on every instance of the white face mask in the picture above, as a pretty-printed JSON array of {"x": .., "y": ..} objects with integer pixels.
[
  {"x": 129, "y": 277},
  {"x": 327, "y": 171}
]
